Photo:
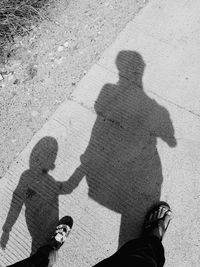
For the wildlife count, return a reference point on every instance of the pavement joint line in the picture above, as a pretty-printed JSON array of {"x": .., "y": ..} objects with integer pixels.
[
  {"x": 153, "y": 36},
  {"x": 178, "y": 138},
  {"x": 73, "y": 99},
  {"x": 83, "y": 105},
  {"x": 139, "y": 27},
  {"x": 108, "y": 69},
  {"x": 173, "y": 103},
  {"x": 152, "y": 92},
  {"x": 104, "y": 117}
]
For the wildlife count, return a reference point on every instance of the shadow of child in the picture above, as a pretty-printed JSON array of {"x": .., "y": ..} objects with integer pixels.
[{"x": 38, "y": 191}]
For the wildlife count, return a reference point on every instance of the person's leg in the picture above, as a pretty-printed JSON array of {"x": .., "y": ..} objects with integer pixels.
[
  {"x": 43, "y": 256},
  {"x": 39, "y": 259},
  {"x": 148, "y": 250}
]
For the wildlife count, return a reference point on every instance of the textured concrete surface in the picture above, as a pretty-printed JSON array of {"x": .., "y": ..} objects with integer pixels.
[
  {"x": 127, "y": 138},
  {"x": 45, "y": 67}
]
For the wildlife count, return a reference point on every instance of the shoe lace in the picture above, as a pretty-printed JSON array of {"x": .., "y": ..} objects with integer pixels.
[{"x": 61, "y": 233}]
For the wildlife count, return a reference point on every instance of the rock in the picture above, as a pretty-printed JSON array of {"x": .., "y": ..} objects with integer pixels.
[
  {"x": 75, "y": 47},
  {"x": 34, "y": 113},
  {"x": 3, "y": 70},
  {"x": 14, "y": 94},
  {"x": 66, "y": 44},
  {"x": 1, "y": 77},
  {"x": 32, "y": 71},
  {"x": 46, "y": 113},
  {"x": 60, "y": 60},
  {"x": 16, "y": 81},
  {"x": 10, "y": 77},
  {"x": 60, "y": 48}
]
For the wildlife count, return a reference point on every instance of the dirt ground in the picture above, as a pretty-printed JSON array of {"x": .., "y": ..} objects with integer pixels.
[{"x": 45, "y": 67}]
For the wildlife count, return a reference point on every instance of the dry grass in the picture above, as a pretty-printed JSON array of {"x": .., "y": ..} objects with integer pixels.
[{"x": 17, "y": 17}]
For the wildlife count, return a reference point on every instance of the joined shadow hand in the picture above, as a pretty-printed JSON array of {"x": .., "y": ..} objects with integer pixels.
[{"x": 73, "y": 182}]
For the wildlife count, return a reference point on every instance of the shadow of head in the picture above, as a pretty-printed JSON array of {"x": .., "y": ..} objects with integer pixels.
[
  {"x": 130, "y": 65},
  {"x": 43, "y": 155}
]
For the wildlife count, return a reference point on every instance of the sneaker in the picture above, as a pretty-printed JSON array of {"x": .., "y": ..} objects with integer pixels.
[{"x": 62, "y": 231}]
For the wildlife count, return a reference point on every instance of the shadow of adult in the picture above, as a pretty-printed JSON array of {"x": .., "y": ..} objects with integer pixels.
[
  {"x": 38, "y": 191},
  {"x": 121, "y": 163}
]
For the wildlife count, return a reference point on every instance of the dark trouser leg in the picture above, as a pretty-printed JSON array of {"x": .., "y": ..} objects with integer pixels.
[
  {"x": 39, "y": 259},
  {"x": 143, "y": 252}
]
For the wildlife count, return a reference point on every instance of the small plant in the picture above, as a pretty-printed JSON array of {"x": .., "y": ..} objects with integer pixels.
[{"x": 17, "y": 17}]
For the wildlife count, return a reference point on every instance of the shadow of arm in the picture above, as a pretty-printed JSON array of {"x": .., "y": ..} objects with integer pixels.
[
  {"x": 14, "y": 211},
  {"x": 73, "y": 182},
  {"x": 105, "y": 99},
  {"x": 165, "y": 129}
]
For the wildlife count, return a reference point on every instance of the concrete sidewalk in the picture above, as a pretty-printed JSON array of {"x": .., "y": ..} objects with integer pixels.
[{"x": 127, "y": 138}]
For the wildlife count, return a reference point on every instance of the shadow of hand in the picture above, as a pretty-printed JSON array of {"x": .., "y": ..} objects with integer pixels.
[
  {"x": 171, "y": 142},
  {"x": 4, "y": 239},
  {"x": 72, "y": 183}
]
